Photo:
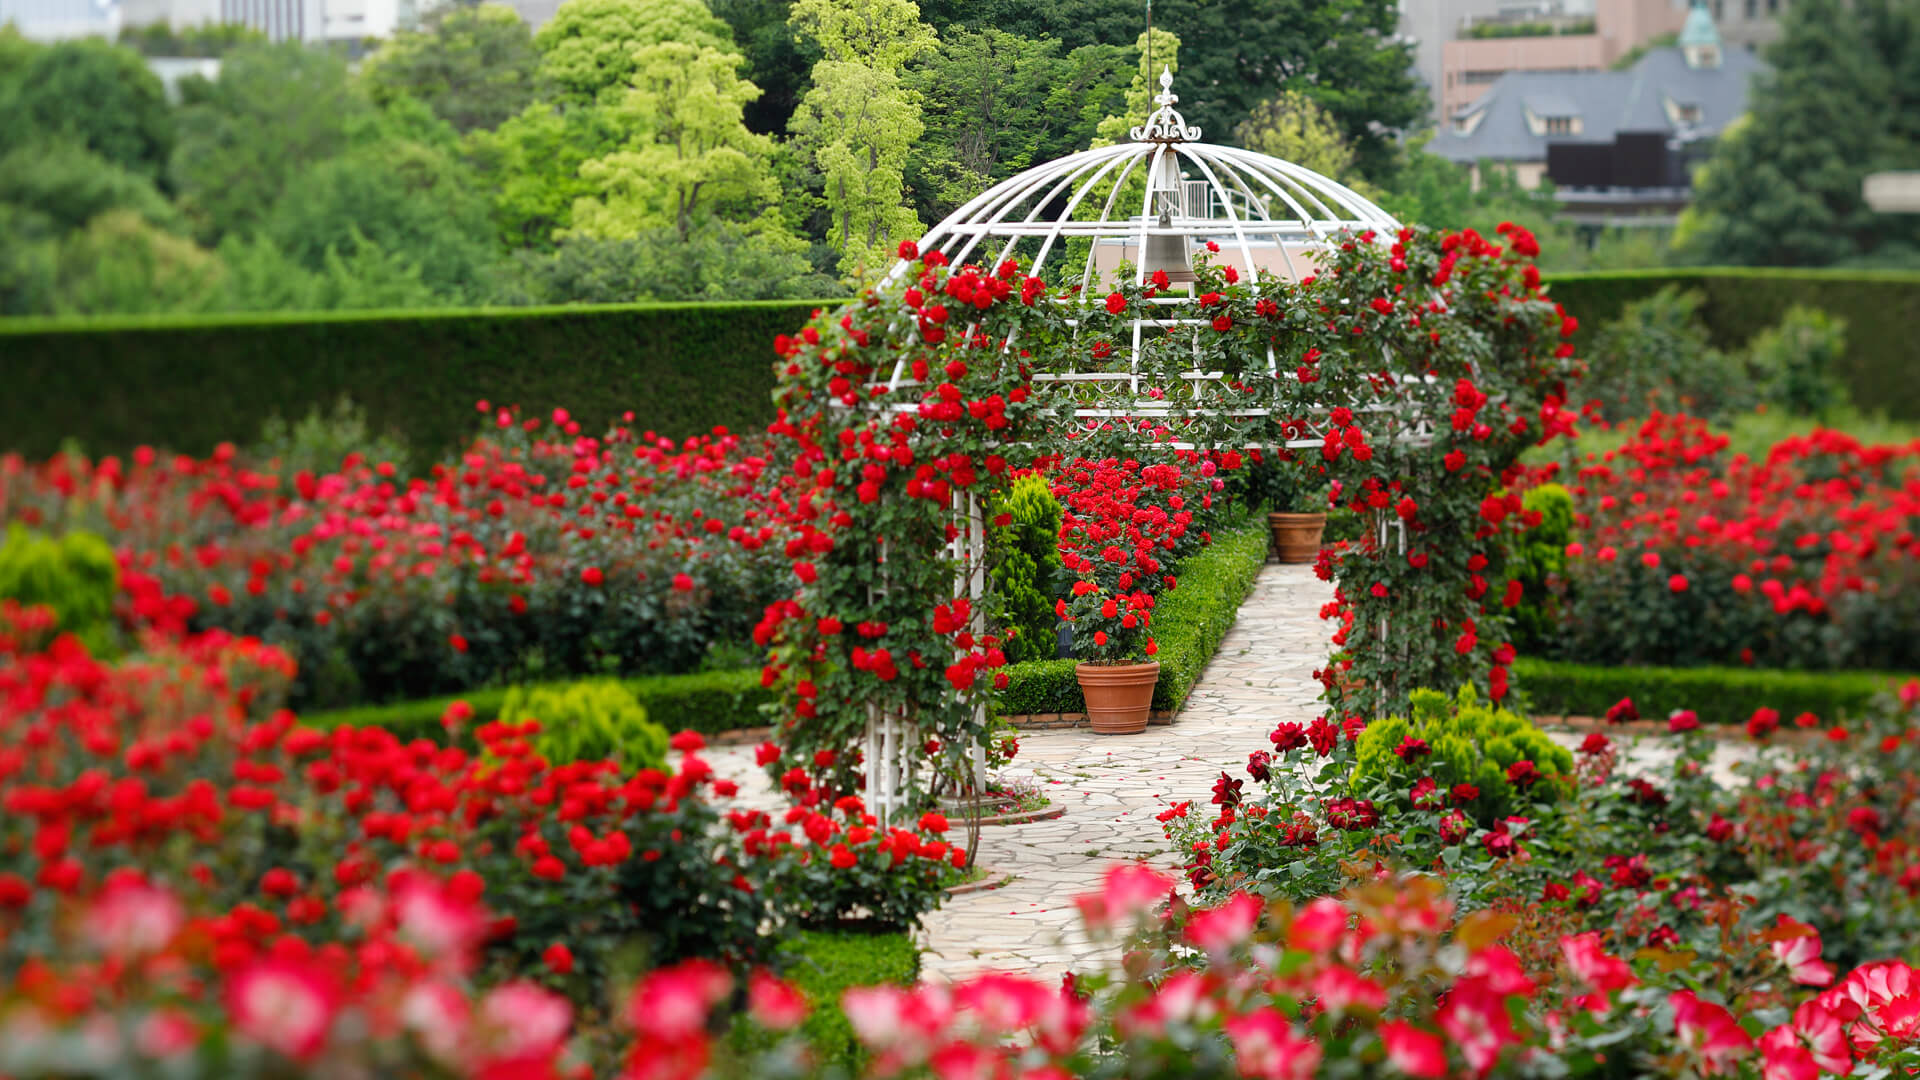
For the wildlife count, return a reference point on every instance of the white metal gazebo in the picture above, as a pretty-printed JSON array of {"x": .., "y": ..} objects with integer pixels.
[{"x": 1152, "y": 204}]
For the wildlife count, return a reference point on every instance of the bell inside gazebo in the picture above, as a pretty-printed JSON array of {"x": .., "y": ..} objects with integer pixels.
[{"x": 1166, "y": 251}]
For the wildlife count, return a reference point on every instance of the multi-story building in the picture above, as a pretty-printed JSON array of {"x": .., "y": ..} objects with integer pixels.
[
  {"x": 280, "y": 20},
  {"x": 1617, "y": 145}
]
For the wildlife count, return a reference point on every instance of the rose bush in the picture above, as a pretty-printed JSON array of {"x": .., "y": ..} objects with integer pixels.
[
  {"x": 539, "y": 552},
  {"x": 178, "y": 770}
]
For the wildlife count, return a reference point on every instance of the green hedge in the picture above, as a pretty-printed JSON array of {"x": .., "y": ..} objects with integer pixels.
[
  {"x": 1880, "y": 308},
  {"x": 709, "y": 702},
  {"x": 190, "y": 383},
  {"x": 1718, "y": 695},
  {"x": 1188, "y": 625}
]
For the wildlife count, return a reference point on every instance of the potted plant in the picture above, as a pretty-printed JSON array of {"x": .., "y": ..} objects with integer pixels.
[
  {"x": 1117, "y": 672},
  {"x": 1294, "y": 492}
]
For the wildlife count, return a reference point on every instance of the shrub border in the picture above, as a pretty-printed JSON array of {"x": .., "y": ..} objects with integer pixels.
[{"x": 1718, "y": 695}]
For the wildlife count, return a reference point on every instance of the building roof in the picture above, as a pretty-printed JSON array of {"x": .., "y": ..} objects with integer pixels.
[{"x": 1649, "y": 96}]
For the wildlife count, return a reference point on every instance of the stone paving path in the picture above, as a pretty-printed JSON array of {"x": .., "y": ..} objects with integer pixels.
[{"x": 1111, "y": 788}]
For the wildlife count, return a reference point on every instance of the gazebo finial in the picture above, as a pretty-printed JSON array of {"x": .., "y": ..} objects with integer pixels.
[{"x": 1165, "y": 124}]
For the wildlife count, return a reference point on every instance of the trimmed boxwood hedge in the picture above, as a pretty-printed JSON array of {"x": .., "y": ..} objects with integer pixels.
[
  {"x": 1188, "y": 625},
  {"x": 189, "y": 383},
  {"x": 1880, "y": 308},
  {"x": 1717, "y": 695},
  {"x": 709, "y": 702}
]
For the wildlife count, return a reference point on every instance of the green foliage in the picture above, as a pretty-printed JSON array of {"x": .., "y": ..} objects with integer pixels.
[
  {"x": 1027, "y": 567},
  {"x": 1293, "y": 127},
  {"x": 1346, "y": 54},
  {"x": 1289, "y": 485},
  {"x": 824, "y": 964},
  {"x": 1796, "y": 361},
  {"x": 590, "y": 720},
  {"x": 859, "y": 123},
  {"x": 70, "y": 185},
  {"x": 1718, "y": 695},
  {"x": 1538, "y": 561},
  {"x": 589, "y": 47},
  {"x": 1738, "y": 303},
  {"x": 718, "y": 261},
  {"x": 120, "y": 264},
  {"x": 190, "y": 384},
  {"x": 531, "y": 164},
  {"x": 92, "y": 93},
  {"x": 1658, "y": 357},
  {"x": 687, "y": 154},
  {"x": 473, "y": 66},
  {"x": 276, "y": 112},
  {"x": 1472, "y": 742},
  {"x": 995, "y": 103},
  {"x": 1188, "y": 624},
  {"x": 1485, "y": 30},
  {"x": 416, "y": 206},
  {"x": 320, "y": 441},
  {"x": 1836, "y": 103},
  {"x": 76, "y": 575}
]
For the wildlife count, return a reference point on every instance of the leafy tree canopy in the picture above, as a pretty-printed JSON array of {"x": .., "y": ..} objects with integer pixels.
[
  {"x": 588, "y": 47},
  {"x": 275, "y": 111},
  {"x": 689, "y": 152},
  {"x": 473, "y": 66},
  {"x": 92, "y": 93},
  {"x": 70, "y": 185}
]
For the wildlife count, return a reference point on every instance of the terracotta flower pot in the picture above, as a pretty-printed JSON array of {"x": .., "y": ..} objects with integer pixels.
[
  {"x": 1118, "y": 695},
  {"x": 1297, "y": 536}
]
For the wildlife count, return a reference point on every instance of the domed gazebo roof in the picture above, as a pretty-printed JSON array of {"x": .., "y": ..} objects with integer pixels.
[{"x": 1076, "y": 219}]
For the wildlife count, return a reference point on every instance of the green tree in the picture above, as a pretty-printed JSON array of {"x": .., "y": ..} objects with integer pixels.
[
  {"x": 775, "y": 60},
  {"x": 414, "y": 203},
  {"x": 98, "y": 95},
  {"x": 995, "y": 103},
  {"x": 721, "y": 260},
  {"x": 1293, "y": 127},
  {"x": 689, "y": 152},
  {"x": 473, "y": 66},
  {"x": 70, "y": 185},
  {"x": 275, "y": 112},
  {"x": 860, "y": 122},
  {"x": 588, "y": 47},
  {"x": 1153, "y": 56},
  {"x": 1346, "y": 54},
  {"x": 1074, "y": 24},
  {"x": 532, "y": 163},
  {"x": 1784, "y": 188},
  {"x": 121, "y": 264}
]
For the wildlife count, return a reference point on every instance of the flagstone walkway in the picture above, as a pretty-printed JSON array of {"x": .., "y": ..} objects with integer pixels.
[{"x": 1111, "y": 788}]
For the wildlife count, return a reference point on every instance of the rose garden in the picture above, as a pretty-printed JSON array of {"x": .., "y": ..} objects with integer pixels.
[{"x": 959, "y": 721}]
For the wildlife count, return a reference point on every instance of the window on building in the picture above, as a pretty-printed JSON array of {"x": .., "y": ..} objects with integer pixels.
[
  {"x": 1719, "y": 9},
  {"x": 1773, "y": 7},
  {"x": 1481, "y": 78},
  {"x": 1559, "y": 125},
  {"x": 1753, "y": 9},
  {"x": 1689, "y": 114}
]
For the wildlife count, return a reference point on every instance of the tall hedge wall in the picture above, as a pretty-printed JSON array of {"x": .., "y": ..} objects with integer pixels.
[
  {"x": 1881, "y": 309},
  {"x": 189, "y": 383}
]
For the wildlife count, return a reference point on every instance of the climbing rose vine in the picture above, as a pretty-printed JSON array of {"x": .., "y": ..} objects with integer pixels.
[{"x": 1417, "y": 368}]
